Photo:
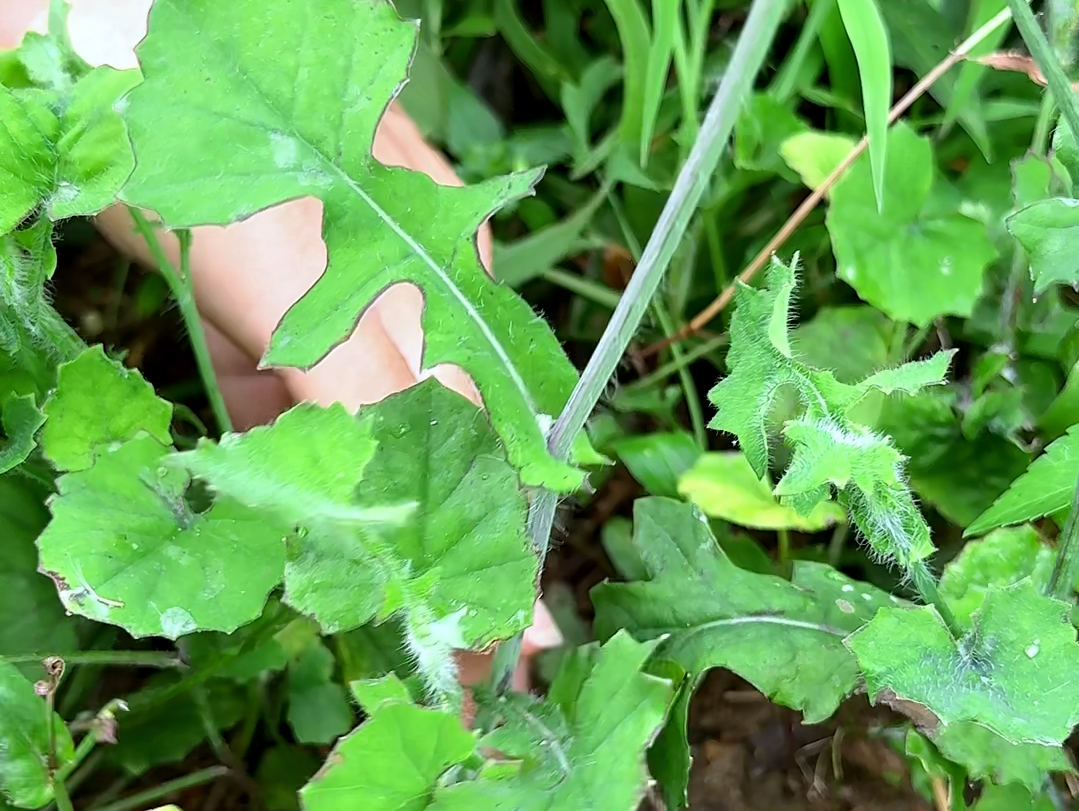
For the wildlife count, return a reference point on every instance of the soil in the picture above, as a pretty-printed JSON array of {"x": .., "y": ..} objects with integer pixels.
[{"x": 749, "y": 755}]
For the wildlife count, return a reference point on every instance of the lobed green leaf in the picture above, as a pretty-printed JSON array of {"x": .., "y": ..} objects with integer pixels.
[
  {"x": 97, "y": 402},
  {"x": 1016, "y": 672},
  {"x": 126, "y": 547},
  {"x": 266, "y": 108}
]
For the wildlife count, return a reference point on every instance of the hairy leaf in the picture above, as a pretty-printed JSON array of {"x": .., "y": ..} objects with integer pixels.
[
  {"x": 582, "y": 747},
  {"x": 459, "y": 567},
  {"x": 987, "y": 756},
  {"x": 1047, "y": 487},
  {"x": 724, "y": 486},
  {"x": 905, "y": 261},
  {"x": 125, "y": 547},
  {"x": 1016, "y": 672},
  {"x": 1000, "y": 559},
  {"x": 761, "y": 362},
  {"x": 1048, "y": 230},
  {"x": 31, "y": 331},
  {"x": 24, "y": 742},
  {"x": 97, "y": 401},
  {"x": 250, "y": 128},
  {"x": 63, "y": 150},
  {"x": 785, "y": 638},
  {"x": 304, "y": 467}
]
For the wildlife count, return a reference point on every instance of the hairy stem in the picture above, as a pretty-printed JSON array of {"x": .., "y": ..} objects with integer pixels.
[
  {"x": 183, "y": 291},
  {"x": 1066, "y": 568},
  {"x": 1043, "y": 54},
  {"x": 753, "y": 44},
  {"x": 926, "y": 585}
]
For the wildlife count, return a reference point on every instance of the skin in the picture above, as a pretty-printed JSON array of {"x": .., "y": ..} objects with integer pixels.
[{"x": 246, "y": 275}]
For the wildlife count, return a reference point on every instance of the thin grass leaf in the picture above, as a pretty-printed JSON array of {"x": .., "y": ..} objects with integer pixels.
[{"x": 868, "y": 36}]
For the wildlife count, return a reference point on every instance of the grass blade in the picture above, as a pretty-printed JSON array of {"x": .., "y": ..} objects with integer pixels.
[{"x": 869, "y": 39}]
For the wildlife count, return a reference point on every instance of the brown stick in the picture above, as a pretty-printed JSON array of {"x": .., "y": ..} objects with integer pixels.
[{"x": 798, "y": 217}]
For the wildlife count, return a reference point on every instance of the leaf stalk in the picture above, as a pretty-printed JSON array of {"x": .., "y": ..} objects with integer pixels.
[{"x": 183, "y": 291}]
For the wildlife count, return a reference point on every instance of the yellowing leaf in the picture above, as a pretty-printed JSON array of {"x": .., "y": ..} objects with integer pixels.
[{"x": 724, "y": 486}]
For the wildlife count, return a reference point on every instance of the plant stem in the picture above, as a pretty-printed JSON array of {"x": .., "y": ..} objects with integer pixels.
[
  {"x": 145, "y": 798},
  {"x": 183, "y": 291},
  {"x": 753, "y": 44},
  {"x": 1066, "y": 568},
  {"x": 702, "y": 318},
  {"x": 63, "y": 801},
  {"x": 926, "y": 585},
  {"x": 103, "y": 658},
  {"x": 1043, "y": 54},
  {"x": 82, "y": 751},
  {"x": 1009, "y": 305},
  {"x": 670, "y": 367}
]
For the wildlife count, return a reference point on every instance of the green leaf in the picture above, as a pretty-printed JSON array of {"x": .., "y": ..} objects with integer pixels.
[
  {"x": 658, "y": 460},
  {"x": 304, "y": 467},
  {"x": 1002, "y": 558},
  {"x": 1047, "y": 487},
  {"x": 381, "y": 225},
  {"x": 724, "y": 486},
  {"x": 162, "y": 729},
  {"x": 869, "y": 38},
  {"x": 763, "y": 127},
  {"x": 124, "y": 547},
  {"x": 958, "y": 475},
  {"x": 460, "y": 567},
  {"x": 666, "y": 19},
  {"x": 851, "y": 341},
  {"x": 392, "y": 761},
  {"x": 24, "y": 742},
  {"x": 986, "y": 756},
  {"x": 31, "y": 331},
  {"x": 530, "y": 256},
  {"x": 583, "y": 745},
  {"x": 1016, "y": 672},
  {"x": 318, "y": 708},
  {"x": 904, "y": 260},
  {"x": 785, "y": 638},
  {"x": 21, "y": 420},
  {"x": 31, "y": 618},
  {"x": 65, "y": 150},
  {"x": 636, "y": 42},
  {"x": 1048, "y": 230},
  {"x": 97, "y": 402},
  {"x": 373, "y": 693},
  {"x": 1012, "y": 798},
  {"x": 761, "y": 363},
  {"x": 815, "y": 155}
]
